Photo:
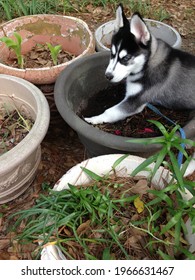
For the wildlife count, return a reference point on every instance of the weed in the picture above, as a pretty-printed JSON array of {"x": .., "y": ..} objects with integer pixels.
[
  {"x": 169, "y": 141},
  {"x": 54, "y": 51},
  {"x": 16, "y": 46}
]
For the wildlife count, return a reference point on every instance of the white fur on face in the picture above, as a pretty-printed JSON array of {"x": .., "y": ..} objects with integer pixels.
[
  {"x": 120, "y": 71},
  {"x": 113, "y": 50},
  {"x": 122, "y": 54}
]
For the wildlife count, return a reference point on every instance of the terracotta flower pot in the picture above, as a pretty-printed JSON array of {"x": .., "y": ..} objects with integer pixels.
[
  {"x": 71, "y": 33},
  {"x": 81, "y": 80},
  {"x": 104, "y": 32},
  {"x": 19, "y": 165}
]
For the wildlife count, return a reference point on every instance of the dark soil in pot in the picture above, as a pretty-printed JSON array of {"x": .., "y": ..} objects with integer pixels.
[{"x": 136, "y": 126}]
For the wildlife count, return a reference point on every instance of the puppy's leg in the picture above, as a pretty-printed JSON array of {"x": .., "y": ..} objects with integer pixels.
[{"x": 118, "y": 112}]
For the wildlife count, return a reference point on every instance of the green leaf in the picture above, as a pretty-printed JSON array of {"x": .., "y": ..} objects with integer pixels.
[
  {"x": 162, "y": 196},
  {"x": 125, "y": 199},
  {"x": 67, "y": 219},
  {"x": 50, "y": 46},
  {"x": 178, "y": 231},
  {"x": 160, "y": 157},
  {"x": 89, "y": 256},
  {"x": 91, "y": 174},
  {"x": 144, "y": 164},
  {"x": 173, "y": 131},
  {"x": 164, "y": 256},
  {"x": 9, "y": 42},
  {"x": 106, "y": 254},
  {"x": 18, "y": 37},
  {"x": 161, "y": 127},
  {"x": 156, "y": 215},
  {"x": 57, "y": 48},
  {"x": 188, "y": 254},
  {"x": 147, "y": 141},
  {"x": 173, "y": 221},
  {"x": 119, "y": 160},
  {"x": 176, "y": 169}
]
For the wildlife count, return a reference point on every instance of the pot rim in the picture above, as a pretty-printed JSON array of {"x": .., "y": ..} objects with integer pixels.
[{"x": 37, "y": 132}]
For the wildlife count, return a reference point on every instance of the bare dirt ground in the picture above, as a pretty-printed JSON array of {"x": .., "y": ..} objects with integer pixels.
[{"x": 61, "y": 148}]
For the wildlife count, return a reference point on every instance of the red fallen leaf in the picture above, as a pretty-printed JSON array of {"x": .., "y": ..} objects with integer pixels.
[
  {"x": 146, "y": 130},
  {"x": 118, "y": 132}
]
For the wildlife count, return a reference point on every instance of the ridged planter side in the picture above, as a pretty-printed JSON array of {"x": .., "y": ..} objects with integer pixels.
[{"x": 19, "y": 165}]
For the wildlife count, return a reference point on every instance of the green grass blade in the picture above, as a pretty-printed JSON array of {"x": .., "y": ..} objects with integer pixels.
[
  {"x": 7, "y": 10},
  {"x": 91, "y": 174},
  {"x": 147, "y": 141},
  {"x": 173, "y": 131},
  {"x": 9, "y": 42},
  {"x": 176, "y": 169},
  {"x": 23, "y": 8},
  {"x": 18, "y": 37},
  {"x": 119, "y": 160},
  {"x": 159, "y": 160},
  {"x": 163, "y": 255},
  {"x": 161, "y": 127},
  {"x": 177, "y": 231},
  {"x": 173, "y": 221},
  {"x": 144, "y": 164},
  {"x": 162, "y": 196}
]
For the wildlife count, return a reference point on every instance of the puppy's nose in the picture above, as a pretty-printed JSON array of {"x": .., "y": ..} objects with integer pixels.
[{"x": 109, "y": 76}]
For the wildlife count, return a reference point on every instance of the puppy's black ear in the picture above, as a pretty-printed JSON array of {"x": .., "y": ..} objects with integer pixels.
[
  {"x": 121, "y": 20},
  {"x": 139, "y": 29}
]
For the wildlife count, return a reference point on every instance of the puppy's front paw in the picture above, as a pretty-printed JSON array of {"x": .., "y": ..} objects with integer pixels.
[{"x": 94, "y": 120}]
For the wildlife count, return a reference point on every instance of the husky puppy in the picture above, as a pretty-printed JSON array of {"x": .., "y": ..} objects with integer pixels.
[{"x": 154, "y": 71}]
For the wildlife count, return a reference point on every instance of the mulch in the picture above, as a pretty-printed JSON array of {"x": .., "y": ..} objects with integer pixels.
[{"x": 40, "y": 57}]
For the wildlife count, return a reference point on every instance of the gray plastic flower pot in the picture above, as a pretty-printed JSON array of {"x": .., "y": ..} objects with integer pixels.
[
  {"x": 81, "y": 80},
  {"x": 104, "y": 32}
]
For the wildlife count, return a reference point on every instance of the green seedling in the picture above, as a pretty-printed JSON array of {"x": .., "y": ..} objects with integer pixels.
[
  {"x": 15, "y": 45},
  {"x": 54, "y": 50}
]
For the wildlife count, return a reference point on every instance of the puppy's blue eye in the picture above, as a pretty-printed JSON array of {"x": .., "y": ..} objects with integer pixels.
[{"x": 125, "y": 59}]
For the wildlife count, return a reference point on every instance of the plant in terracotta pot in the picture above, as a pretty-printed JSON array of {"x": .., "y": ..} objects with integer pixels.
[
  {"x": 72, "y": 34},
  {"x": 98, "y": 211},
  {"x": 79, "y": 83},
  {"x": 23, "y": 109}
]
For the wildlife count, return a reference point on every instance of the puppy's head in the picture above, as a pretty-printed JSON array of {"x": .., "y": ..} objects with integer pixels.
[{"x": 129, "y": 47}]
